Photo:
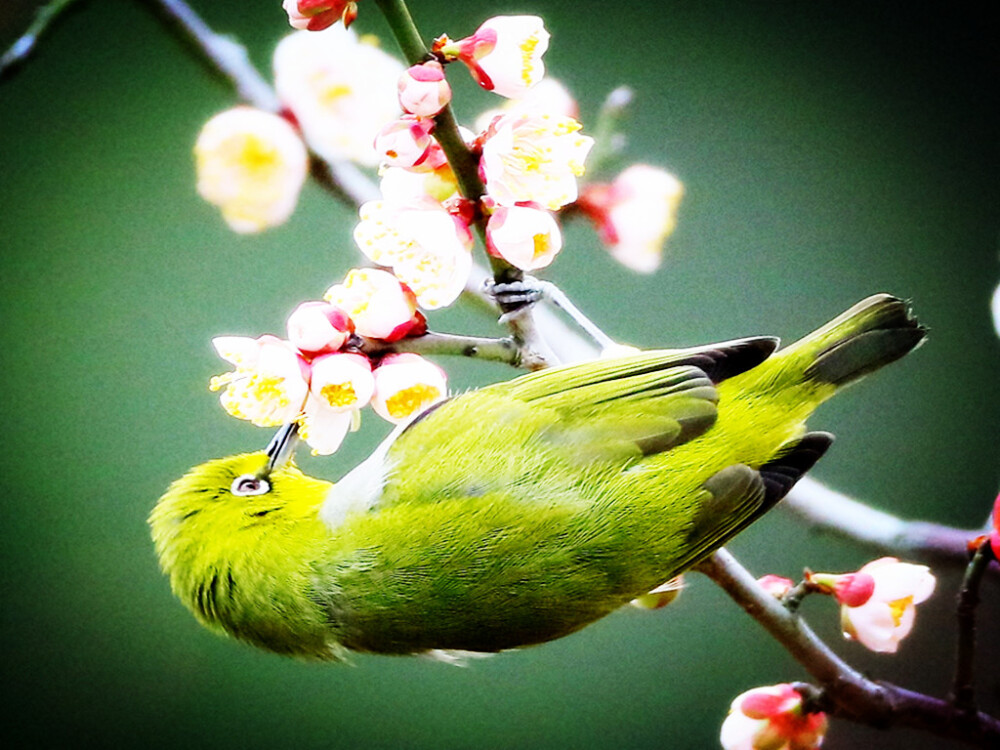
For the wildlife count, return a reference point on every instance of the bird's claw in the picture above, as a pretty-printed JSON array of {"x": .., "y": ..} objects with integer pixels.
[{"x": 515, "y": 296}]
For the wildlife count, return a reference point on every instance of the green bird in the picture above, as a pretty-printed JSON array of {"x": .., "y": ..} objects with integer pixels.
[{"x": 518, "y": 513}]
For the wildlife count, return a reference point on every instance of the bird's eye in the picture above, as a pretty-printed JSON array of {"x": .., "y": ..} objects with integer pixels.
[{"x": 247, "y": 485}]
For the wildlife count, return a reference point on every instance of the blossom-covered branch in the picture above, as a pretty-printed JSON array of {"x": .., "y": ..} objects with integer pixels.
[{"x": 846, "y": 693}]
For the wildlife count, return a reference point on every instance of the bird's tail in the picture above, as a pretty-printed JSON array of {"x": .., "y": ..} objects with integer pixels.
[{"x": 876, "y": 331}]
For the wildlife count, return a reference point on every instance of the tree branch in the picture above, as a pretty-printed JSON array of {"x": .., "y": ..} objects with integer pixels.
[
  {"x": 495, "y": 350},
  {"x": 24, "y": 46},
  {"x": 846, "y": 692},
  {"x": 833, "y": 511},
  {"x": 963, "y": 693}
]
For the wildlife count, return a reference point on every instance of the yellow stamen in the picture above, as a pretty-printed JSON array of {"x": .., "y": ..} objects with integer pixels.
[
  {"x": 403, "y": 403},
  {"x": 898, "y": 607},
  {"x": 543, "y": 244},
  {"x": 339, "y": 394},
  {"x": 527, "y": 53}
]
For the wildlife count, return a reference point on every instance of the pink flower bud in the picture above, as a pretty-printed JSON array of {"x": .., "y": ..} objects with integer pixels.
[
  {"x": 850, "y": 589},
  {"x": 405, "y": 142},
  {"x": 405, "y": 385},
  {"x": 318, "y": 328},
  {"x": 776, "y": 586},
  {"x": 316, "y": 15},
  {"x": 423, "y": 89},
  {"x": 768, "y": 718},
  {"x": 526, "y": 237}
]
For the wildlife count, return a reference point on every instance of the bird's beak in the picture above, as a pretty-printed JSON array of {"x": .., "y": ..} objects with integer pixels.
[{"x": 281, "y": 447}]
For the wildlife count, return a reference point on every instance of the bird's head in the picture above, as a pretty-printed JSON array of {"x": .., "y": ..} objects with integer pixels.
[{"x": 227, "y": 519}]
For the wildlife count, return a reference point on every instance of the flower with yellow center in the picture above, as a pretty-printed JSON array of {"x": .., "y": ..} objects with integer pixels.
[
  {"x": 267, "y": 386},
  {"x": 340, "y": 88},
  {"x": 406, "y": 384},
  {"x": 427, "y": 247},
  {"x": 252, "y": 165},
  {"x": 534, "y": 158},
  {"x": 504, "y": 55},
  {"x": 339, "y": 386},
  {"x": 526, "y": 237},
  {"x": 380, "y": 306},
  {"x": 886, "y": 616}
]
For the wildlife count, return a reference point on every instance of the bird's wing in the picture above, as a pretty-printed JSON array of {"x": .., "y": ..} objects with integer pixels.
[{"x": 534, "y": 436}]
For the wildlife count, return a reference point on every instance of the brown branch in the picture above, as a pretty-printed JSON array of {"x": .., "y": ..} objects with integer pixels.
[
  {"x": 963, "y": 693},
  {"x": 846, "y": 693}
]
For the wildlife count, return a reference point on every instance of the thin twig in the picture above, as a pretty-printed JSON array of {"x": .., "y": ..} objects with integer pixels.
[
  {"x": 963, "y": 693},
  {"x": 223, "y": 54},
  {"x": 846, "y": 692},
  {"x": 495, "y": 350},
  {"x": 833, "y": 511},
  {"x": 24, "y": 46}
]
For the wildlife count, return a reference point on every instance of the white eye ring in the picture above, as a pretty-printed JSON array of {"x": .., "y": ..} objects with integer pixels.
[{"x": 247, "y": 485}]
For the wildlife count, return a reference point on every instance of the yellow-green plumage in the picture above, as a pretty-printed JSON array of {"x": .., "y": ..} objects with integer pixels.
[{"x": 520, "y": 512}]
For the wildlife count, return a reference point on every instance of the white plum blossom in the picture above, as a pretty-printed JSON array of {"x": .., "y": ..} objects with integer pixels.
[
  {"x": 252, "y": 165},
  {"x": 341, "y": 90},
  {"x": 318, "y": 327},
  {"x": 548, "y": 95},
  {"x": 406, "y": 384},
  {"x": 423, "y": 89},
  {"x": 635, "y": 214},
  {"x": 772, "y": 718},
  {"x": 400, "y": 185},
  {"x": 340, "y": 385},
  {"x": 534, "y": 158},
  {"x": 268, "y": 385},
  {"x": 880, "y": 621},
  {"x": 504, "y": 55},
  {"x": 427, "y": 247},
  {"x": 526, "y": 237},
  {"x": 378, "y": 303}
]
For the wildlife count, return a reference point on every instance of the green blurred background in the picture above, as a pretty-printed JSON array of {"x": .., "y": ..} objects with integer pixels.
[{"x": 830, "y": 150}]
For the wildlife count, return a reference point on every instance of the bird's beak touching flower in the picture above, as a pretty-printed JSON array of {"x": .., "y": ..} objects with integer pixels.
[{"x": 281, "y": 447}]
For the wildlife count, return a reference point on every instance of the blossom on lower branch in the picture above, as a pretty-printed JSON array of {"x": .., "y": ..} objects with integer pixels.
[
  {"x": 406, "y": 384},
  {"x": 878, "y": 602},
  {"x": 319, "y": 378},
  {"x": 269, "y": 383},
  {"x": 772, "y": 718},
  {"x": 340, "y": 384}
]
